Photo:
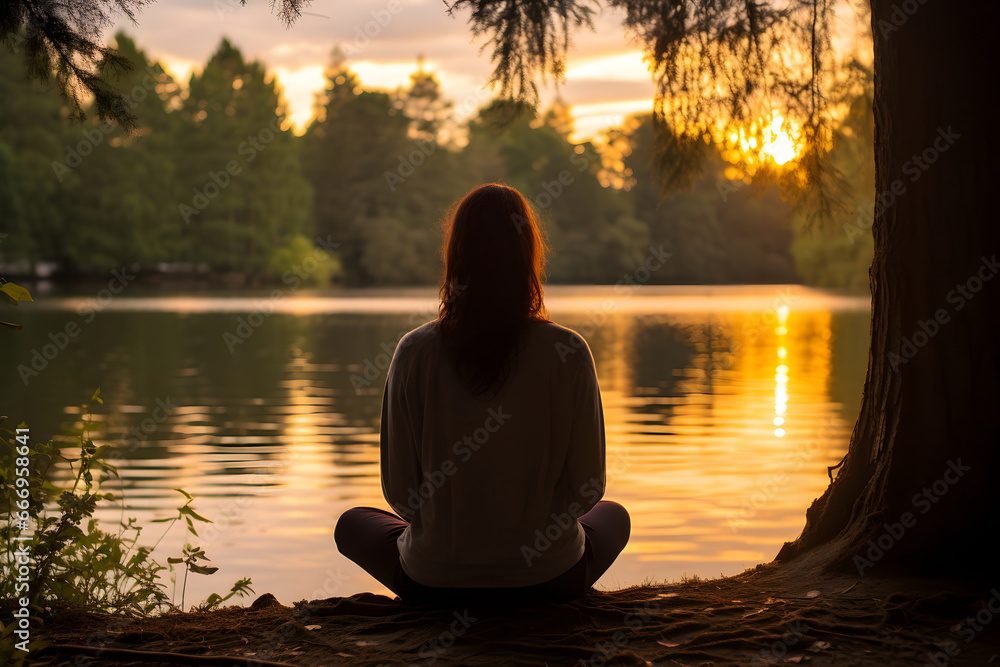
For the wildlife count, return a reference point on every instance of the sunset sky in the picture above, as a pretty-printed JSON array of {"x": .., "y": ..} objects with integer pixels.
[{"x": 606, "y": 78}]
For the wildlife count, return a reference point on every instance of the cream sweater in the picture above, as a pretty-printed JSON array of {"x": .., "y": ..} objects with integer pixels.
[{"x": 492, "y": 488}]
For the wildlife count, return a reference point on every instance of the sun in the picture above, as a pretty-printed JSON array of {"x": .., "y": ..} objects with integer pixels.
[
  {"x": 772, "y": 139},
  {"x": 778, "y": 145}
]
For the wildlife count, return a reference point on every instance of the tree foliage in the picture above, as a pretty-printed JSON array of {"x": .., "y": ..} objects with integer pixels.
[
  {"x": 212, "y": 176},
  {"x": 717, "y": 66},
  {"x": 62, "y": 39}
]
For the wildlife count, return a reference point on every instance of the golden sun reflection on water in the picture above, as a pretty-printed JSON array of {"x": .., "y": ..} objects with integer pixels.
[{"x": 718, "y": 471}]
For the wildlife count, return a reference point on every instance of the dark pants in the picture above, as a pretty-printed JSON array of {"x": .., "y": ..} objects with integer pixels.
[{"x": 368, "y": 537}]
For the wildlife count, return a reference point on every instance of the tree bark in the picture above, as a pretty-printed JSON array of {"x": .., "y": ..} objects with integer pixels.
[{"x": 918, "y": 489}]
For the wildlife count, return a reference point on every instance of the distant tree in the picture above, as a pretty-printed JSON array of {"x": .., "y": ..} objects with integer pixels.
[
  {"x": 382, "y": 179},
  {"x": 243, "y": 190},
  {"x": 351, "y": 142},
  {"x": 717, "y": 232},
  {"x": 423, "y": 103},
  {"x": 838, "y": 254},
  {"x": 118, "y": 217},
  {"x": 33, "y": 138}
]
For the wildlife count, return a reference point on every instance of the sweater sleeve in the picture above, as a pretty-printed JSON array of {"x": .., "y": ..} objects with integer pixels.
[
  {"x": 585, "y": 461},
  {"x": 399, "y": 448}
]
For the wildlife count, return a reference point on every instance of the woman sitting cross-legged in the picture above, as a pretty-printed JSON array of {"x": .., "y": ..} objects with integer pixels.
[{"x": 492, "y": 434}]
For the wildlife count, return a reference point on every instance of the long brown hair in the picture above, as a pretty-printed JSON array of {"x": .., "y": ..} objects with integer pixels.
[{"x": 494, "y": 265}]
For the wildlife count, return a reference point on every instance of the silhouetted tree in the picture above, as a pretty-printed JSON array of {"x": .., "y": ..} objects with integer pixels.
[{"x": 926, "y": 442}]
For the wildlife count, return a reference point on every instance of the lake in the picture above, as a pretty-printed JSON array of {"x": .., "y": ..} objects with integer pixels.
[{"x": 724, "y": 407}]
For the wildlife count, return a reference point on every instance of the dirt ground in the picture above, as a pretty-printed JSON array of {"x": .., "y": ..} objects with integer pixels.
[{"x": 770, "y": 615}]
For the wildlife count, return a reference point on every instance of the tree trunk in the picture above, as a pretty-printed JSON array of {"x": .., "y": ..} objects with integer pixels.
[{"x": 919, "y": 487}]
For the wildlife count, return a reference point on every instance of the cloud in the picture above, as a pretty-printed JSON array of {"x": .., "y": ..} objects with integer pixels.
[{"x": 603, "y": 66}]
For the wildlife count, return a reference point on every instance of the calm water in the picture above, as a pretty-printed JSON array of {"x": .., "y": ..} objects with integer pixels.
[{"x": 723, "y": 408}]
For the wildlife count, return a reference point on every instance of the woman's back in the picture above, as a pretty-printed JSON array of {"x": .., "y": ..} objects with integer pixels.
[
  {"x": 492, "y": 435},
  {"x": 492, "y": 485}
]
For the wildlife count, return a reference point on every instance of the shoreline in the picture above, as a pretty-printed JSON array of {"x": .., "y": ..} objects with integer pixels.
[
  {"x": 594, "y": 300},
  {"x": 772, "y": 614}
]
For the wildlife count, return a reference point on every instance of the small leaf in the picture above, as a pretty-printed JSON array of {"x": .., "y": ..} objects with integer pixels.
[
  {"x": 189, "y": 511},
  {"x": 186, "y": 494},
  {"x": 201, "y": 569},
  {"x": 11, "y": 325},
  {"x": 175, "y": 560},
  {"x": 15, "y": 293}
]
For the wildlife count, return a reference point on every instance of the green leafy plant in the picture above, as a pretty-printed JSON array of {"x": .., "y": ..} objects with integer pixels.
[
  {"x": 76, "y": 564},
  {"x": 191, "y": 555}
]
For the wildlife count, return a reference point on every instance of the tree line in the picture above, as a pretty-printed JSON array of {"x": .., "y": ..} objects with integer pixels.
[{"x": 214, "y": 179}]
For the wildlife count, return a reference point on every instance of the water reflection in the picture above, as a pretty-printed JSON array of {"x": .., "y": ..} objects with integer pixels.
[{"x": 721, "y": 421}]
